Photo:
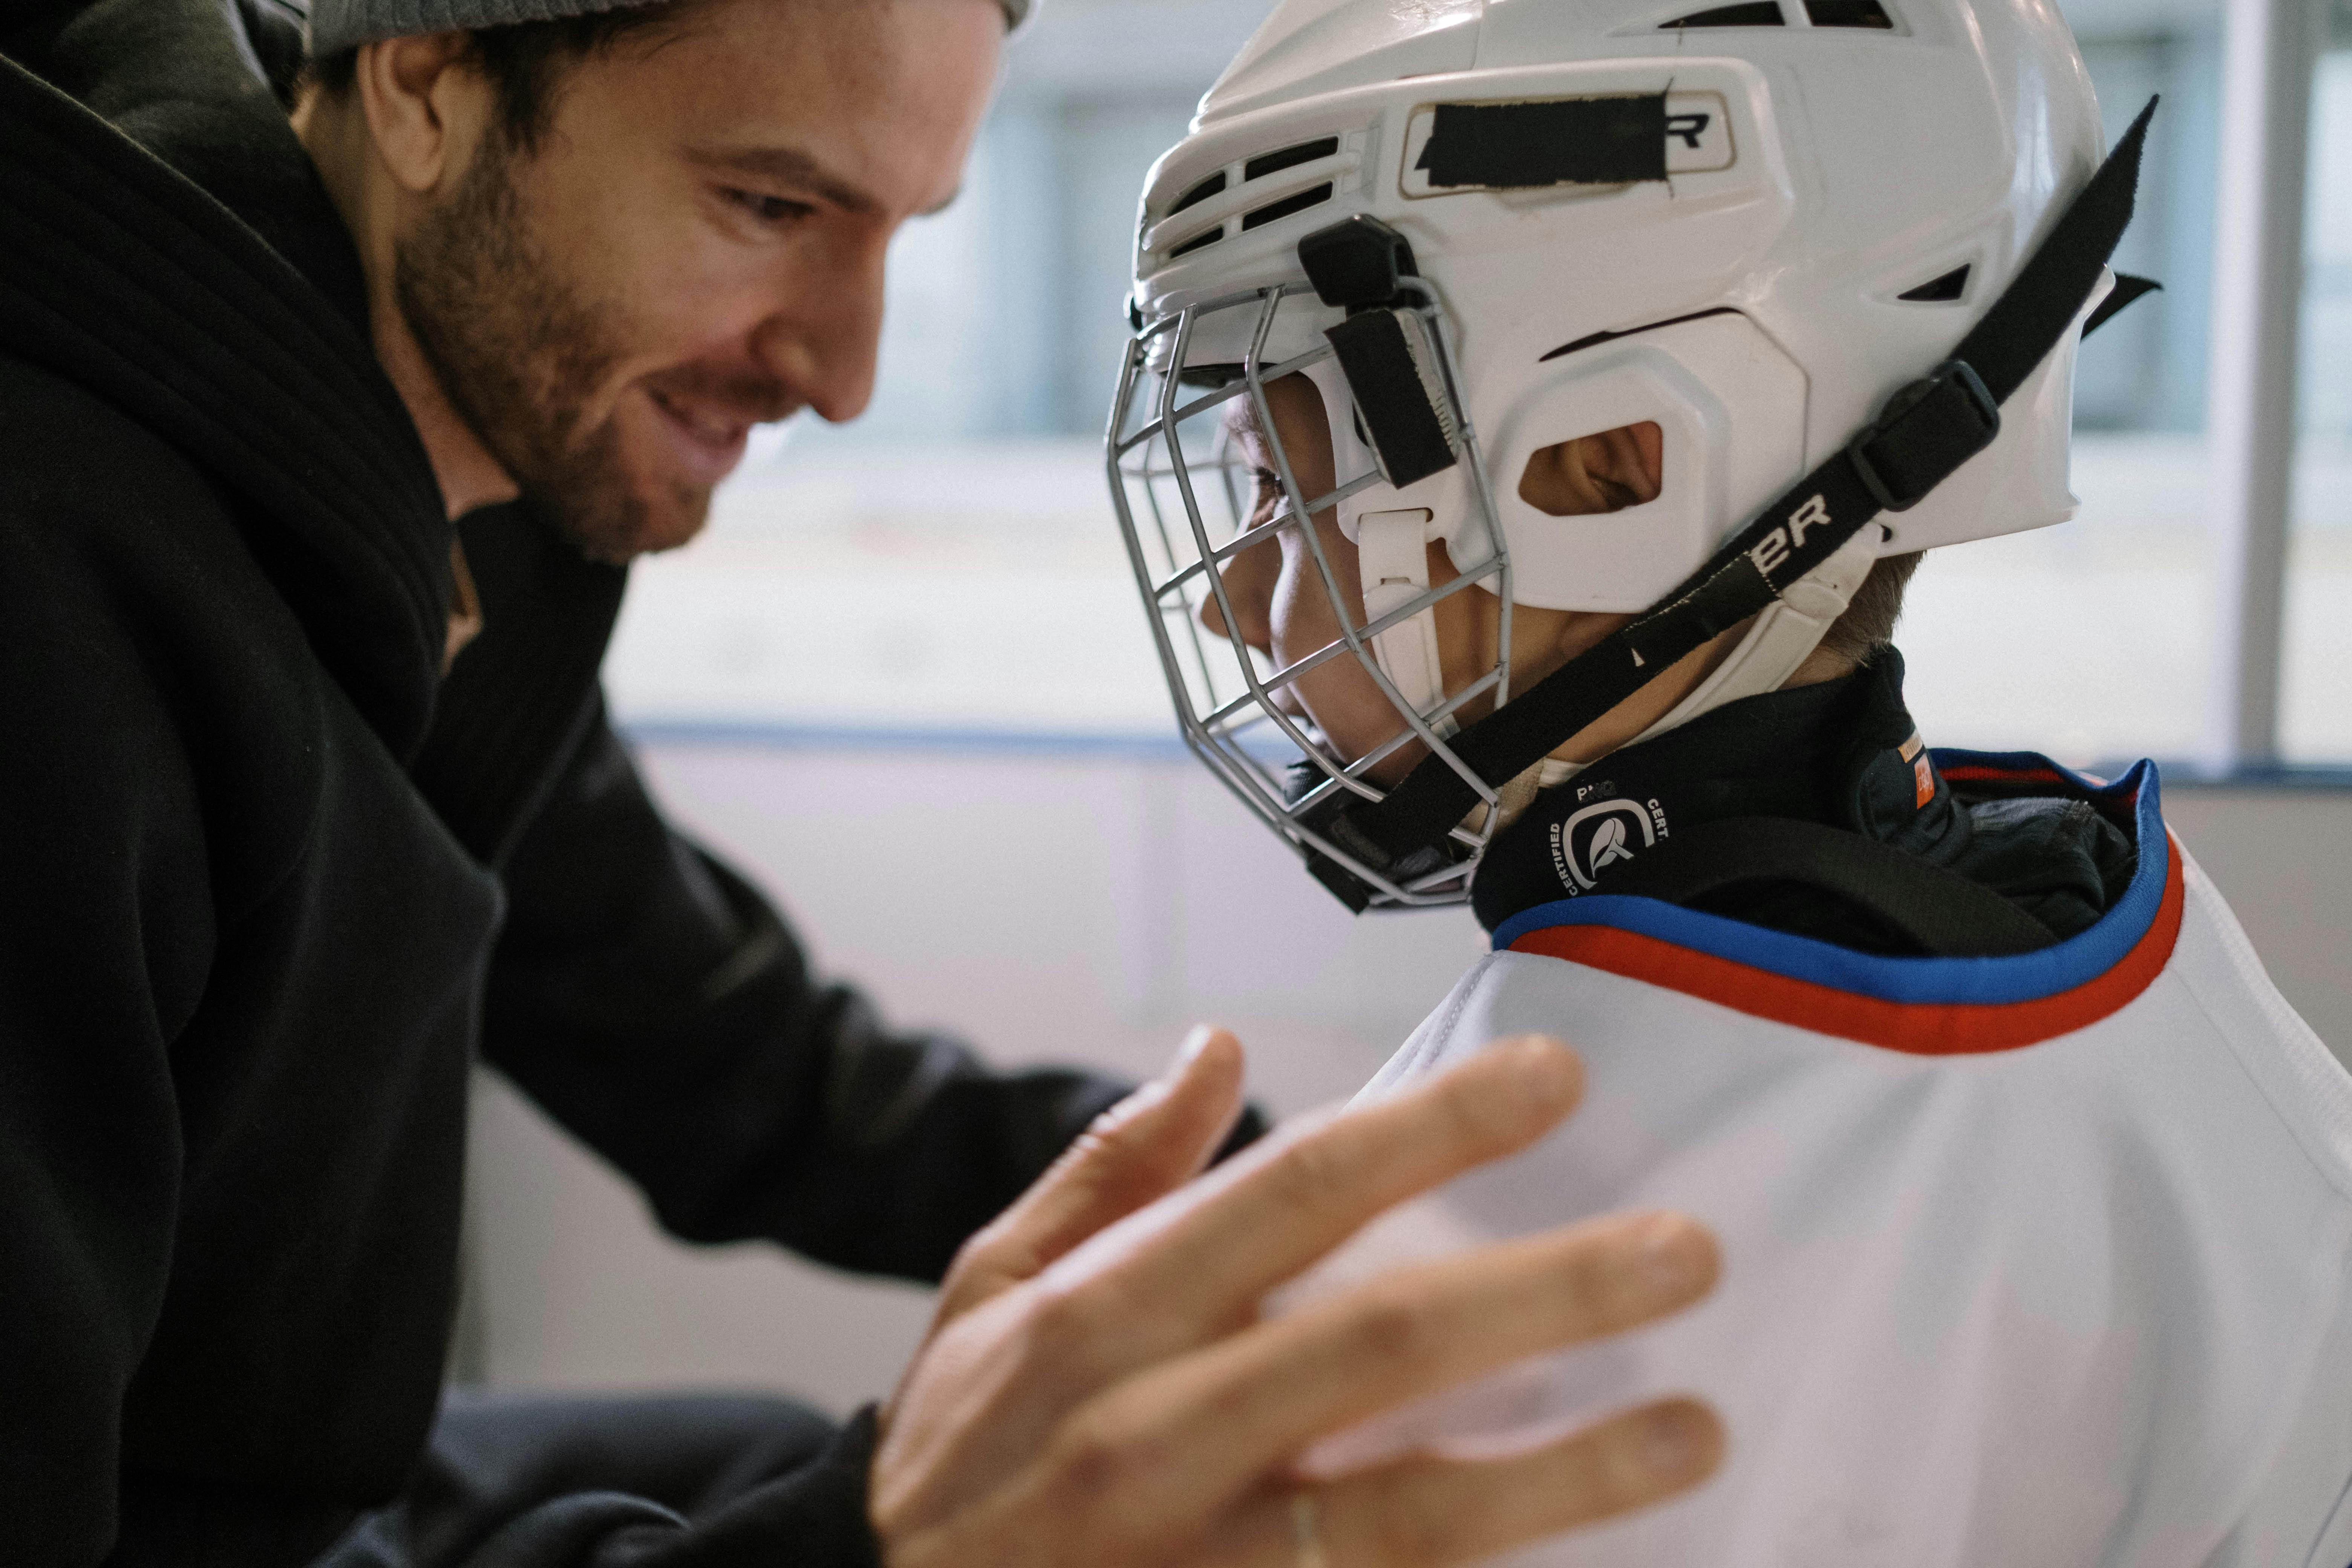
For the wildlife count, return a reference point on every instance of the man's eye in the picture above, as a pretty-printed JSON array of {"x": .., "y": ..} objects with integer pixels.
[{"x": 770, "y": 209}]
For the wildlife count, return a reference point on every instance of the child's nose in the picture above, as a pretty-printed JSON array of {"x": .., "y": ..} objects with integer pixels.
[{"x": 1248, "y": 580}]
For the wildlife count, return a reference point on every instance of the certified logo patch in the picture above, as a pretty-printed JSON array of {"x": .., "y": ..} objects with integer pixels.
[{"x": 1601, "y": 834}]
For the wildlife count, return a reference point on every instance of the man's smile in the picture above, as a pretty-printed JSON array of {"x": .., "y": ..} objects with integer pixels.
[{"x": 709, "y": 441}]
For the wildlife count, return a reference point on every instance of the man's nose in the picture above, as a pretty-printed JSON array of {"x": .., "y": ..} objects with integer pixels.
[{"x": 824, "y": 344}]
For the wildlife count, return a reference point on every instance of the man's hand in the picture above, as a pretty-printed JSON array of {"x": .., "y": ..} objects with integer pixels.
[{"x": 1099, "y": 1389}]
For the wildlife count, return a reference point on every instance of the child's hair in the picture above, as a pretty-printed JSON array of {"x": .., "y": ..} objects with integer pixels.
[{"x": 1868, "y": 624}]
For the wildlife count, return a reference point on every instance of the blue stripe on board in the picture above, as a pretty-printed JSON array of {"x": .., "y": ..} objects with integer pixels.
[{"x": 1160, "y": 745}]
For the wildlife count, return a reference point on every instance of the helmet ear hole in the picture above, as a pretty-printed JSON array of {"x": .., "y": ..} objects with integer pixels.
[{"x": 1608, "y": 470}]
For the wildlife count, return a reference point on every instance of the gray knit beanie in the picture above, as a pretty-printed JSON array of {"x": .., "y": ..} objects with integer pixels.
[{"x": 339, "y": 24}]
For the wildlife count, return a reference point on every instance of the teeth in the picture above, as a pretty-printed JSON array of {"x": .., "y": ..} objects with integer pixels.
[{"x": 719, "y": 433}]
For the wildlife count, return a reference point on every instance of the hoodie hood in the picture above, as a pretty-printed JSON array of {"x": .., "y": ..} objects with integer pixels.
[{"x": 172, "y": 249}]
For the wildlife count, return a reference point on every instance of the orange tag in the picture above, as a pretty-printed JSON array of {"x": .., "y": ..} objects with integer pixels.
[{"x": 1926, "y": 778}]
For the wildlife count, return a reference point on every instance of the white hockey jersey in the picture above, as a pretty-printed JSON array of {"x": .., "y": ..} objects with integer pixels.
[{"x": 2027, "y": 1261}]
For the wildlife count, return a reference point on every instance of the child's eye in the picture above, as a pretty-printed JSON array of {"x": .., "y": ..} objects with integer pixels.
[
  {"x": 774, "y": 210},
  {"x": 1269, "y": 500}
]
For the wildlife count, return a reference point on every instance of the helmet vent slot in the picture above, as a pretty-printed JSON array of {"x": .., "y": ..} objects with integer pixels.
[
  {"x": 1941, "y": 290},
  {"x": 1289, "y": 158},
  {"x": 1849, "y": 14},
  {"x": 1754, "y": 14},
  {"x": 1313, "y": 197},
  {"x": 1213, "y": 185},
  {"x": 1300, "y": 175}
]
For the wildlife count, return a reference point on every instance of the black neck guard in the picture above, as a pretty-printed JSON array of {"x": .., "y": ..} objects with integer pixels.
[{"x": 1842, "y": 754}]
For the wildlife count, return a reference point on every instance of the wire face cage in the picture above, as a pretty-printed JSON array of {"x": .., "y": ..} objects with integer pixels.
[{"x": 1191, "y": 507}]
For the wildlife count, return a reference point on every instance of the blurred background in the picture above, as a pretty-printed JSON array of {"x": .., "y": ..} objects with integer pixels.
[{"x": 904, "y": 681}]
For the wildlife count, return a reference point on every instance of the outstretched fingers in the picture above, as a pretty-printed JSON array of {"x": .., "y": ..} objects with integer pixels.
[
  {"x": 1108, "y": 1394},
  {"x": 1426, "y": 1511},
  {"x": 1146, "y": 1146},
  {"x": 1206, "y": 1428},
  {"x": 1152, "y": 1142},
  {"x": 1193, "y": 1267}
]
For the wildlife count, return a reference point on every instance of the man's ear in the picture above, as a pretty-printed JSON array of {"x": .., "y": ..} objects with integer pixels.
[{"x": 425, "y": 106}]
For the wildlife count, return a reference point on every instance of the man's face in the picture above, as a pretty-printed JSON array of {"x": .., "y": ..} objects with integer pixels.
[{"x": 694, "y": 248}]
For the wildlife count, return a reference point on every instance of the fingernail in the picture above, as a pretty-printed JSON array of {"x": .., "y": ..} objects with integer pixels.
[
  {"x": 1674, "y": 1256},
  {"x": 1195, "y": 1042},
  {"x": 1543, "y": 1067},
  {"x": 1677, "y": 1439}
]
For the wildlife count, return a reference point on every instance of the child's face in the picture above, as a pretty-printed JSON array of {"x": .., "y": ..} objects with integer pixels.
[{"x": 1285, "y": 610}]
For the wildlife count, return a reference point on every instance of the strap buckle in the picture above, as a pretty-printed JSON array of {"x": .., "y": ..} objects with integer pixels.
[
  {"x": 1925, "y": 432},
  {"x": 1358, "y": 262}
]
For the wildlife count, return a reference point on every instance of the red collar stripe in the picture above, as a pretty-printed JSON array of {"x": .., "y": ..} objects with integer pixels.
[{"x": 1916, "y": 1028}]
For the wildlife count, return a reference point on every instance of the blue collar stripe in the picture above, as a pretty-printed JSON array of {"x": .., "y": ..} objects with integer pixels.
[{"x": 2026, "y": 977}]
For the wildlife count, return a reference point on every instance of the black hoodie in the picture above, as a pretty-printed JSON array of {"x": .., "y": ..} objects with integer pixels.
[{"x": 269, "y": 880}]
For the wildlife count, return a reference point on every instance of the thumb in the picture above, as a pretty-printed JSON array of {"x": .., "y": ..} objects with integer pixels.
[{"x": 1141, "y": 1148}]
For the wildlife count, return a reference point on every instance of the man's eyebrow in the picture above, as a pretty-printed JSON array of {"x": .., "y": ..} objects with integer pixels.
[{"x": 793, "y": 167}]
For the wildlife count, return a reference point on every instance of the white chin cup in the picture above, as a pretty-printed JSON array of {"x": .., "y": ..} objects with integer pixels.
[{"x": 1392, "y": 553}]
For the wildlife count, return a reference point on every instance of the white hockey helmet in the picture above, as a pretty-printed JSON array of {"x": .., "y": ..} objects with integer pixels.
[{"x": 1753, "y": 224}]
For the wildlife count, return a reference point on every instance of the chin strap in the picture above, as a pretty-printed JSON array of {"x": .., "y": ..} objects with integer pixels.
[
  {"x": 1392, "y": 555},
  {"x": 1784, "y": 635},
  {"x": 1921, "y": 437}
]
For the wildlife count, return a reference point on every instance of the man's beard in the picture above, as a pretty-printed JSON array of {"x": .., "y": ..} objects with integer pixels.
[{"x": 518, "y": 351}]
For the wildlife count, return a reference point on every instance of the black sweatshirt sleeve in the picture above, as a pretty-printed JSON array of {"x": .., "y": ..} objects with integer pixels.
[
  {"x": 644, "y": 1482},
  {"x": 105, "y": 935},
  {"x": 656, "y": 1006}
]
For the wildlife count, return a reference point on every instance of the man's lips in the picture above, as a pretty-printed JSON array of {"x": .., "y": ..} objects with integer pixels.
[{"x": 709, "y": 441}]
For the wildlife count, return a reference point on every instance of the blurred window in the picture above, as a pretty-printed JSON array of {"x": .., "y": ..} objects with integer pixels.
[{"x": 2316, "y": 698}]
